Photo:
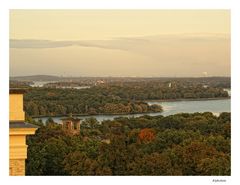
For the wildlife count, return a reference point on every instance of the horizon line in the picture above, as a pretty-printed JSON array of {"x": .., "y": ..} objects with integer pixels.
[{"x": 62, "y": 76}]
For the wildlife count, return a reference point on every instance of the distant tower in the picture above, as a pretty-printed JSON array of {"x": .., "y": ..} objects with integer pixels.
[
  {"x": 70, "y": 124},
  {"x": 170, "y": 85},
  {"x": 205, "y": 74},
  {"x": 18, "y": 130}
]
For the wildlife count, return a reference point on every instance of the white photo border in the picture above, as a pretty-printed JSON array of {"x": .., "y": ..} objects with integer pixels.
[{"x": 123, "y": 4}]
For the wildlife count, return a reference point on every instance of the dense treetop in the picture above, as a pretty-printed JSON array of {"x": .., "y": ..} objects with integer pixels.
[
  {"x": 181, "y": 144},
  {"x": 117, "y": 97}
]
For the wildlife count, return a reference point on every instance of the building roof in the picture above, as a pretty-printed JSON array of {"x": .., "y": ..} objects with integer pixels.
[
  {"x": 21, "y": 124},
  {"x": 16, "y": 91}
]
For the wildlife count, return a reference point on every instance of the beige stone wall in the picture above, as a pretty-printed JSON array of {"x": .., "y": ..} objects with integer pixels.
[
  {"x": 17, "y": 136},
  {"x": 18, "y": 149},
  {"x": 17, "y": 167},
  {"x": 16, "y": 107},
  {"x": 17, "y": 154}
]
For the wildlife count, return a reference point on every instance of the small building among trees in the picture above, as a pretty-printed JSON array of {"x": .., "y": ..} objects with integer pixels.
[{"x": 71, "y": 124}]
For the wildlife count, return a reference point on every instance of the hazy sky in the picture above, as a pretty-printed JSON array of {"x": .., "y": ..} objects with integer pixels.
[{"x": 120, "y": 42}]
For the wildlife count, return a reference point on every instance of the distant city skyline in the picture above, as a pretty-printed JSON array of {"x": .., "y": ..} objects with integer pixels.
[{"x": 120, "y": 43}]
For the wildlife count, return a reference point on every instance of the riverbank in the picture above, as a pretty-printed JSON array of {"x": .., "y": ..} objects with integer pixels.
[
  {"x": 100, "y": 114},
  {"x": 136, "y": 113},
  {"x": 190, "y": 99},
  {"x": 169, "y": 108}
]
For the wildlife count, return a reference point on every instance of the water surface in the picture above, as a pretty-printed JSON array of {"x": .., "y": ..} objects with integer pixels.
[{"x": 173, "y": 107}]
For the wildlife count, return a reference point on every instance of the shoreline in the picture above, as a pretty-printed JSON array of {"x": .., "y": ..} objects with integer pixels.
[
  {"x": 190, "y": 99},
  {"x": 100, "y": 114},
  {"x": 119, "y": 114}
]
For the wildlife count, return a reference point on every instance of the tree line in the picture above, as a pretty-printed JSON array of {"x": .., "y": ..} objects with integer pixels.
[
  {"x": 114, "y": 98},
  {"x": 180, "y": 144}
]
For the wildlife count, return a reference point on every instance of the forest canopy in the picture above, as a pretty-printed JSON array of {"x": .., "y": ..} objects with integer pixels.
[
  {"x": 115, "y": 97},
  {"x": 180, "y": 144}
]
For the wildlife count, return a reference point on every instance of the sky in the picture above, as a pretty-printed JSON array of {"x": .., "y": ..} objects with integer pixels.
[{"x": 141, "y": 43}]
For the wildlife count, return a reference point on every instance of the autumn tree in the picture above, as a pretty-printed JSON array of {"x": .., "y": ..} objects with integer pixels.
[{"x": 146, "y": 135}]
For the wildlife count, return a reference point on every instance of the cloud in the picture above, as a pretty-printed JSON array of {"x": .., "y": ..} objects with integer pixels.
[
  {"x": 41, "y": 44},
  {"x": 118, "y": 43},
  {"x": 121, "y": 43},
  {"x": 179, "y": 54}
]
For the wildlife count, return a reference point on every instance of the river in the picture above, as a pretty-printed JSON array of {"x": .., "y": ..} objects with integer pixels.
[{"x": 173, "y": 107}]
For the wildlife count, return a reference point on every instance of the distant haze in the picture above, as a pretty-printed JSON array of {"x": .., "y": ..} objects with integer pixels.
[{"x": 150, "y": 43}]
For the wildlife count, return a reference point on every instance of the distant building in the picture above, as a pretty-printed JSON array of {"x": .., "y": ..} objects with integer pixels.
[
  {"x": 72, "y": 125},
  {"x": 99, "y": 82},
  {"x": 18, "y": 130}
]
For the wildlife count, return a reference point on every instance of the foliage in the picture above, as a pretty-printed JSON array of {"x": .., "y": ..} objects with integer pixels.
[
  {"x": 180, "y": 144},
  {"x": 124, "y": 97},
  {"x": 146, "y": 135}
]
